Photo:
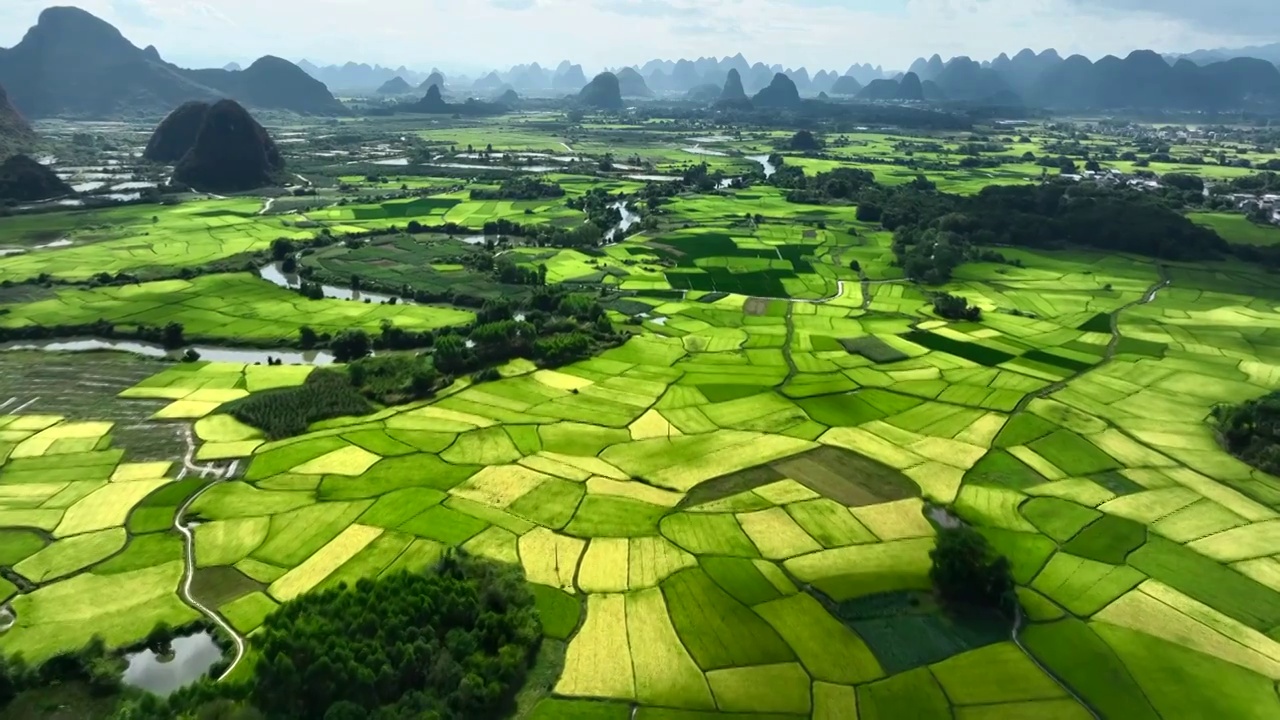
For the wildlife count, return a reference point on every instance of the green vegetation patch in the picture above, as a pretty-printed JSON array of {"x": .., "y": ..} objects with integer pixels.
[
  {"x": 708, "y": 534},
  {"x": 741, "y": 578},
  {"x": 913, "y": 694},
  {"x": 559, "y": 611},
  {"x": 1219, "y": 587},
  {"x": 1073, "y": 454},
  {"x": 606, "y": 516},
  {"x": 1074, "y": 653},
  {"x": 907, "y": 630},
  {"x": 1057, "y": 518},
  {"x": 719, "y": 631},
  {"x": 1109, "y": 540},
  {"x": 873, "y": 349},
  {"x": 1000, "y": 469}
]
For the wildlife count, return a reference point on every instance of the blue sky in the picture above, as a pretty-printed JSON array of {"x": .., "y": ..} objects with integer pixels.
[{"x": 819, "y": 34}]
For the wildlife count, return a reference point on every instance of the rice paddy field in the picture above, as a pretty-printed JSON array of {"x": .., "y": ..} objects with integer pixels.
[{"x": 730, "y": 514}]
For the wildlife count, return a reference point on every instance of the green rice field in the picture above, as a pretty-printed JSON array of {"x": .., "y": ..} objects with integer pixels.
[{"x": 731, "y": 513}]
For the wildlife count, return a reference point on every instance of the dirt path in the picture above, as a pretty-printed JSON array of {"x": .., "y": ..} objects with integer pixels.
[
  {"x": 1112, "y": 346},
  {"x": 189, "y": 548},
  {"x": 1017, "y": 627},
  {"x": 266, "y": 208}
]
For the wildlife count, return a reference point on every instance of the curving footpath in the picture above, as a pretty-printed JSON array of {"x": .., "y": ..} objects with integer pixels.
[
  {"x": 189, "y": 545},
  {"x": 1017, "y": 625}
]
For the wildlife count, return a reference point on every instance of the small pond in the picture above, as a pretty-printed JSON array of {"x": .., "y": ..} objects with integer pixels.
[{"x": 191, "y": 658}]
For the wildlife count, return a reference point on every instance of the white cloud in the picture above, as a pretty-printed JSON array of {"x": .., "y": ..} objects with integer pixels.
[{"x": 828, "y": 34}]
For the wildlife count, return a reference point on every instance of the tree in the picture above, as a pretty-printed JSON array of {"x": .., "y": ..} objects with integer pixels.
[
  {"x": 350, "y": 345},
  {"x": 804, "y": 141},
  {"x": 307, "y": 337},
  {"x": 173, "y": 336},
  {"x": 967, "y": 573}
]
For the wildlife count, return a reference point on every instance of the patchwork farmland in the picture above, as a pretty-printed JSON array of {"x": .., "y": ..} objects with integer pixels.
[{"x": 727, "y": 507}]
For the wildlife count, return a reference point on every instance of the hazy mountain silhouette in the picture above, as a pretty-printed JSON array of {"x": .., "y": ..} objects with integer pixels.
[
  {"x": 435, "y": 78},
  {"x": 395, "y": 86},
  {"x": 358, "y": 77},
  {"x": 231, "y": 153},
  {"x": 569, "y": 78},
  {"x": 846, "y": 85},
  {"x": 25, "y": 180},
  {"x": 604, "y": 91},
  {"x": 632, "y": 84},
  {"x": 781, "y": 93},
  {"x": 15, "y": 134},
  {"x": 73, "y": 63}
]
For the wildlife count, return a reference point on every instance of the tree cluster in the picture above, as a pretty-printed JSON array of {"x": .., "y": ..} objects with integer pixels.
[
  {"x": 1251, "y": 431},
  {"x": 839, "y": 185},
  {"x": 453, "y": 643},
  {"x": 520, "y": 187},
  {"x": 954, "y": 307},
  {"x": 966, "y": 572}
]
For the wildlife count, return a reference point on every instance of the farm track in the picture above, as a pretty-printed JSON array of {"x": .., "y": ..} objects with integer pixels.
[
  {"x": 1017, "y": 626},
  {"x": 1109, "y": 355},
  {"x": 189, "y": 549}
]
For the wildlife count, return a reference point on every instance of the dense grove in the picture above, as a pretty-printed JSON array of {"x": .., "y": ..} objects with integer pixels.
[
  {"x": 935, "y": 232},
  {"x": 289, "y": 411},
  {"x": 454, "y": 643},
  {"x": 1251, "y": 431}
]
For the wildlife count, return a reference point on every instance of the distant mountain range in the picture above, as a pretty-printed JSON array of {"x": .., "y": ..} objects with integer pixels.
[
  {"x": 1141, "y": 80},
  {"x": 72, "y": 63},
  {"x": 1270, "y": 53}
]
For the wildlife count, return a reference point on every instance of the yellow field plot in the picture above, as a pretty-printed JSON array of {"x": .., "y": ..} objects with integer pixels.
[
  {"x": 550, "y": 558},
  {"x": 40, "y": 519},
  {"x": 108, "y": 506},
  {"x": 598, "y": 660},
  {"x": 186, "y": 410},
  {"x": 654, "y": 559},
  {"x": 216, "y": 395},
  {"x": 993, "y": 507},
  {"x": 32, "y": 423},
  {"x": 949, "y": 452},
  {"x": 350, "y": 461},
  {"x": 775, "y": 576},
  {"x": 439, "y": 420},
  {"x": 40, "y": 443},
  {"x": 500, "y": 485},
  {"x": 1066, "y": 416},
  {"x": 782, "y": 688},
  {"x": 1037, "y": 463},
  {"x": 834, "y": 702},
  {"x": 1149, "y": 506},
  {"x": 1159, "y": 610},
  {"x": 1197, "y": 520},
  {"x": 871, "y": 445},
  {"x": 983, "y": 431},
  {"x": 652, "y": 425},
  {"x": 561, "y": 381},
  {"x": 129, "y": 472},
  {"x": 1148, "y": 478},
  {"x": 224, "y": 429},
  {"x": 575, "y": 464},
  {"x": 665, "y": 674},
  {"x": 937, "y": 482},
  {"x": 757, "y": 450},
  {"x": 1265, "y": 570},
  {"x": 1221, "y": 494},
  {"x": 892, "y": 433},
  {"x": 325, "y": 560},
  {"x": 227, "y": 450},
  {"x": 262, "y": 377},
  {"x": 1129, "y": 452},
  {"x": 859, "y": 570},
  {"x": 1242, "y": 543},
  {"x": 496, "y": 544},
  {"x": 776, "y": 535},
  {"x": 898, "y": 520},
  {"x": 30, "y": 495},
  {"x": 155, "y": 393},
  {"x": 227, "y": 542},
  {"x": 786, "y": 491},
  {"x": 634, "y": 490},
  {"x": 604, "y": 567},
  {"x": 1081, "y": 491}
]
